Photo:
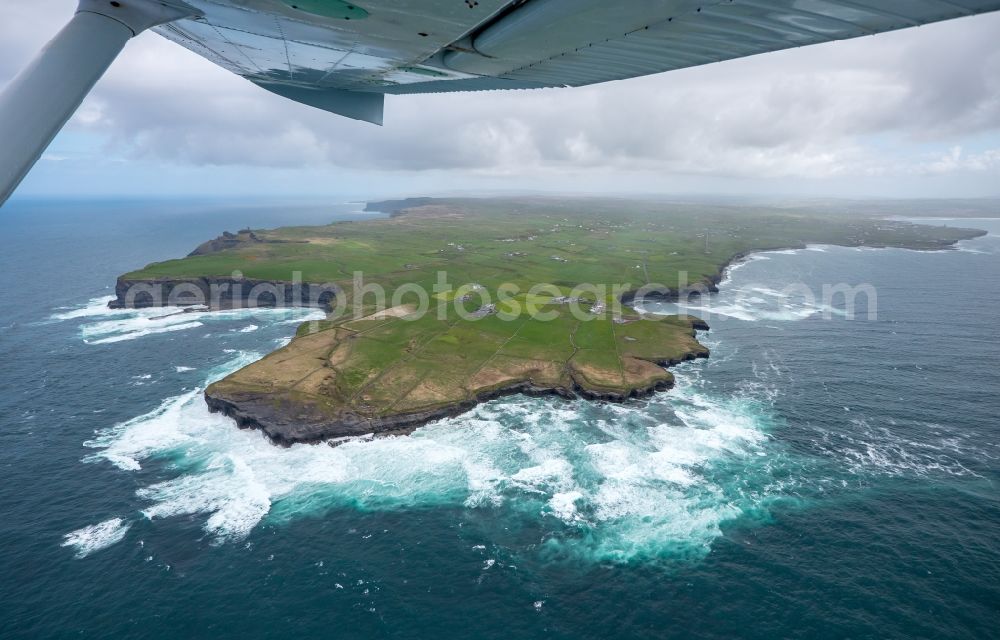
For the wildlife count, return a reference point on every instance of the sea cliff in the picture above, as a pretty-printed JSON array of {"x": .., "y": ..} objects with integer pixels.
[
  {"x": 257, "y": 397},
  {"x": 391, "y": 368},
  {"x": 220, "y": 292}
]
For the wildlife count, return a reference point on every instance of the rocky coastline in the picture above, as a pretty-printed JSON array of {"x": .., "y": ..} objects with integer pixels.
[
  {"x": 292, "y": 396},
  {"x": 218, "y": 293},
  {"x": 288, "y": 423}
]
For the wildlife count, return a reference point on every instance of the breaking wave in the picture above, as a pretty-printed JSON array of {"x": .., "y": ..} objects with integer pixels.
[
  {"x": 616, "y": 482},
  {"x": 96, "y": 537},
  {"x": 100, "y": 325},
  {"x": 752, "y": 303},
  {"x": 756, "y": 298},
  {"x": 661, "y": 478}
]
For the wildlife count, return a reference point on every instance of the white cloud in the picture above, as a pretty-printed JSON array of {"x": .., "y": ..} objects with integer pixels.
[
  {"x": 867, "y": 108},
  {"x": 956, "y": 160}
]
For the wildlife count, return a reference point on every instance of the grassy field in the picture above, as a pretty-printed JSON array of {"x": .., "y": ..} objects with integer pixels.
[
  {"x": 525, "y": 241},
  {"x": 374, "y": 367}
]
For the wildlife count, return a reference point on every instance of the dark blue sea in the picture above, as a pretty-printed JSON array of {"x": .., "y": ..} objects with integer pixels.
[{"x": 828, "y": 473}]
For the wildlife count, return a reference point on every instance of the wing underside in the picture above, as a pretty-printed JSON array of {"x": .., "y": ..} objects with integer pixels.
[{"x": 343, "y": 57}]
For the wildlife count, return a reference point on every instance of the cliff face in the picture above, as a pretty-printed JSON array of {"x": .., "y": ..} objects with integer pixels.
[
  {"x": 389, "y": 372},
  {"x": 310, "y": 390},
  {"x": 220, "y": 293},
  {"x": 288, "y": 419}
]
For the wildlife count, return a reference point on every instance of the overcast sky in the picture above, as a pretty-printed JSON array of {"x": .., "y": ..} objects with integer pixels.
[{"x": 908, "y": 114}]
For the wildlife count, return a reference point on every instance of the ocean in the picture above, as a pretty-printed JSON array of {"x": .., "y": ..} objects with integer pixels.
[{"x": 827, "y": 473}]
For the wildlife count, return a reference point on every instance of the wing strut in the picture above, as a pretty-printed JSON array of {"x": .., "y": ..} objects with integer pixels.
[{"x": 36, "y": 104}]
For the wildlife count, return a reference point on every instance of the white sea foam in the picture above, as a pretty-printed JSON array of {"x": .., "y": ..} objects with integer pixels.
[
  {"x": 227, "y": 490},
  {"x": 124, "y": 445},
  {"x": 620, "y": 482},
  {"x": 980, "y": 249},
  {"x": 563, "y": 505},
  {"x": 637, "y": 479},
  {"x": 184, "y": 369},
  {"x": 306, "y": 315},
  {"x": 102, "y": 325},
  {"x": 752, "y": 303},
  {"x": 754, "y": 309},
  {"x": 739, "y": 264},
  {"x": 94, "y": 307},
  {"x": 139, "y": 333},
  {"x": 866, "y": 450},
  {"x": 615, "y": 482},
  {"x": 96, "y": 537}
]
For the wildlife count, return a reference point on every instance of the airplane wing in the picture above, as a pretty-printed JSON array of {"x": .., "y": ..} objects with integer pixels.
[{"x": 343, "y": 56}]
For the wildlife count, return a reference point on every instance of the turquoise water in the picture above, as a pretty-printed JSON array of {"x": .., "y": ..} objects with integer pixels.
[{"x": 819, "y": 476}]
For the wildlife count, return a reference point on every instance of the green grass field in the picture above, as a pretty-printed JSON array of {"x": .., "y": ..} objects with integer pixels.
[{"x": 402, "y": 363}]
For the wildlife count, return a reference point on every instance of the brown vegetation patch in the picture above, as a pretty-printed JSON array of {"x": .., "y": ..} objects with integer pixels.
[
  {"x": 504, "y": 371},
  {"x": 641, "y": 373},
  {"x": 401, "y": 311},
  {"x": 597, "y": 376}
]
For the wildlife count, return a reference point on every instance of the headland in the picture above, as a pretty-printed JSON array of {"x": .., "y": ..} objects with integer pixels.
[{"x": 447, "y": 303}]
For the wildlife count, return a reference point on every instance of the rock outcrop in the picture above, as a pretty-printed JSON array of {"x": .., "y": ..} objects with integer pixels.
[{"x": 226, "y": 241}]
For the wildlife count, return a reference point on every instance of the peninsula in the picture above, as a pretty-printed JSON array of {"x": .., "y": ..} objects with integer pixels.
[{"x": 449, "y": 302}]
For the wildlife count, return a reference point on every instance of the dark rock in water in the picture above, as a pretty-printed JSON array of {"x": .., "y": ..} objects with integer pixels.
[{"x": 698, "y": 324}]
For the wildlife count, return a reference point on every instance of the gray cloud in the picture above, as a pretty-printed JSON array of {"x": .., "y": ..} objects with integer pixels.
[{"x": 852, "y": 108}]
